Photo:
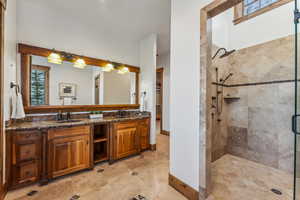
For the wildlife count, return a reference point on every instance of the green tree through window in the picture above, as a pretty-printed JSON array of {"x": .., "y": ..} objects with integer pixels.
[{"x": 39, "y": 86}]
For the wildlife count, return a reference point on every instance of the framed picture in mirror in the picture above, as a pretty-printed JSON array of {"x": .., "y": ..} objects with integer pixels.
[{"x": 67, "y": 90}]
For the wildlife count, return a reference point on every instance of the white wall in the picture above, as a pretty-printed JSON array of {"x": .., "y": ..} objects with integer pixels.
[
  {"x": 185, "y": 95},
  {"x": 10, "y": 51},
  {"x": 38, "y": 25},
  {"x": 148, "y": 51},
  {"x": 221, "y": 29},
  {"x": 271, "y": 25},
  {"x": 66, "y": 73},
  {"x": 117, "y": 88},
  {"x": 163, "y": 61}
]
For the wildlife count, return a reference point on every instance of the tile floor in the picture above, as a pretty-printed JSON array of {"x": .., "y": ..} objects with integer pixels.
[
  {"x": 233, "y": 179},
  {"x": 236, "y": 178}
]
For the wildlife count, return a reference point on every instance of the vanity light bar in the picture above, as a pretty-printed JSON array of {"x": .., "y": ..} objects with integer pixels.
[{"x": 57, "y": 58}]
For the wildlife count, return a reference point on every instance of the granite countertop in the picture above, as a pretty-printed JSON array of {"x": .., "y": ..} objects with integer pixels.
[{"x": 22, "y": 126}]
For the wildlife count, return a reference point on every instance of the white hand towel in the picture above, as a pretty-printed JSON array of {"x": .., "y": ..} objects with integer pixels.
[
  {"x": 17, "y": 106},
  {"x": 143, "y": 104}
]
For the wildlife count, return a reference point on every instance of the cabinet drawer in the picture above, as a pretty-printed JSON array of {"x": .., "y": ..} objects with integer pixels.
[
  {"x": 28, "y": 152},
  {"x": 144, "y": 122},
  {"x": 26, "y": 172},
  {"x": 26, "y": 147},
  {"x": 25, "y": 136},
  {"x": 125, "y": 125},
  {"x": 66, "y": 132}
]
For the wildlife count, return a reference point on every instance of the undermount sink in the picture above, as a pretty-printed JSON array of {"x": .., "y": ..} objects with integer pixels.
[{"x": 68, "y": 121}]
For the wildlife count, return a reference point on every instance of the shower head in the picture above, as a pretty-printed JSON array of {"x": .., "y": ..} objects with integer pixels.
[{"x": 225, "y": 54}]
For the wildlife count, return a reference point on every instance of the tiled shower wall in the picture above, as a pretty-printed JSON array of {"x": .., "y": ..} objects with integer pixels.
[
  {"x": 258, "y": 125},
  {"x": 219, "y": 122}
]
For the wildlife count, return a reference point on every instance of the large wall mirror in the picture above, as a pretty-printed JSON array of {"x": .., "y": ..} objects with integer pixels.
[{"x": 49, "y": 84}]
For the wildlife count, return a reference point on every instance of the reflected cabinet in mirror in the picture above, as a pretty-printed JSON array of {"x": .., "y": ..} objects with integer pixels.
[{"x": 58, "y": 81}]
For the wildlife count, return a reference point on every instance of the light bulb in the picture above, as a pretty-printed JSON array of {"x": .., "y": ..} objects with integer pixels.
[
  {"x": 79, "y": 63},
  {"x": 55, "y": 58},
  {"x": 108, "y": 67}
]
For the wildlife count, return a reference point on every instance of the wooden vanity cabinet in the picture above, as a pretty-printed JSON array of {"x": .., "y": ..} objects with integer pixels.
[
  {"x": 126, "y": 139},
  {"x": 69, "y": 150},
  {"x": 24, "y": 164},
  {"x": 144, "y": 132},
  {"x": 41, "y": 155},
  {"x": 129, "y": 138}
]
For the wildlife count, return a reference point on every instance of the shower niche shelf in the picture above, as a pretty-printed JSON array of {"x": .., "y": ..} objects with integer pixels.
[{"x": 230, "y": 99}]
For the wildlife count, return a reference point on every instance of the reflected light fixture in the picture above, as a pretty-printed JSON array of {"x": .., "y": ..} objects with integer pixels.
[
  {"x": 55, "y": 58},
  {"x": 79, "y": 63},
  {"x": 123, "y": 70},
  {"x": 108, "y": 67}
]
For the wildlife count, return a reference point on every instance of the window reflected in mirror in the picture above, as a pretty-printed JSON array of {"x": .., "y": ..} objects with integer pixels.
[{"x": 39, "y": 85}]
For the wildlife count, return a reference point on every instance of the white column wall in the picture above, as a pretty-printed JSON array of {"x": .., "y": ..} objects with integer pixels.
[
  {"x": 10, "y": 53},
  {"x": 148, "y": 51},
  {"x": 185, "y": 87}
]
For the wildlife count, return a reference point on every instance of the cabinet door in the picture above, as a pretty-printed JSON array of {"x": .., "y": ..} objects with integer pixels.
[
  {"x": 127, "y": 142},
  {"x": 144, "y": 132},
  {"x": 68, "y": 155}
]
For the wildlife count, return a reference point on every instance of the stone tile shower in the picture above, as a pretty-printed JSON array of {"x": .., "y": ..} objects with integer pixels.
[{"x": 252, "y": 104}]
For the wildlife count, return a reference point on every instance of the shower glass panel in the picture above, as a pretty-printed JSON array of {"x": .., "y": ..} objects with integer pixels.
[{"x": 296, "y": 117}]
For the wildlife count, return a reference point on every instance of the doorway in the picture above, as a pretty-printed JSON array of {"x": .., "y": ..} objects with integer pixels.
[
  {"x": 159, "y": 99},
  {"x": 97, "y": 90},
  {"x": 249, "y": 142}
]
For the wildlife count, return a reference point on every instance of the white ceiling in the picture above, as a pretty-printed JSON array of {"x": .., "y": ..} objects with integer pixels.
[{"x": 129, "y": 20}]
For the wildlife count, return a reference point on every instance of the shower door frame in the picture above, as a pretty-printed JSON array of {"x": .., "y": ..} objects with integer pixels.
[
  {"x": 205, "y": 139},
  {"x": 296, "y": 115}
]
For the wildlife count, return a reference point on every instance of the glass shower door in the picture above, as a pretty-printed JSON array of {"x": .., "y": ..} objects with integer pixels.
[{"x": 296, "y": 117}]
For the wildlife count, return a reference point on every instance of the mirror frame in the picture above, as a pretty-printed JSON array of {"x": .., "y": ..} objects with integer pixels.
[{"x": 26, "y": 51}]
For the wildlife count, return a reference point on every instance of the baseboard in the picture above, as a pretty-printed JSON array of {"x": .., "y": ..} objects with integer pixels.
[
  {"x": 153, "y": 147},
  {"x": 163, "y": 132},
  {"x": 187, "y": 191},
  {"x": 3, "y": 191}
]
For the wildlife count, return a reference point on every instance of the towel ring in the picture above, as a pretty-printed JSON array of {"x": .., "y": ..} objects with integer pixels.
[{"x": 13, "y": 85}]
